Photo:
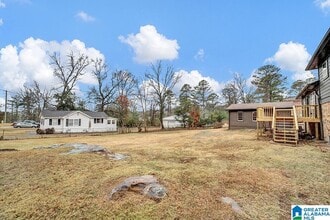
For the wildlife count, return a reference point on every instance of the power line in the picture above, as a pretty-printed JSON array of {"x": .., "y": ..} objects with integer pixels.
[{"x": 4, "y": 90}]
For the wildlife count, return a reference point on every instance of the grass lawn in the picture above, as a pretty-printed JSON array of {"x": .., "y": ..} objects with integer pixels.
[{"x": 197, "y": 167}]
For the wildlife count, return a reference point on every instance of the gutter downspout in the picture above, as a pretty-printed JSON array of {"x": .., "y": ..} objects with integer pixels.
[
  {"x": 318, "y": 93},
  {"x": 229, "y": 120}
]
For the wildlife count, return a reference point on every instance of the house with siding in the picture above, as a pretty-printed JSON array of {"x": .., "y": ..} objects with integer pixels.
[
  {"x": 172, "y": 122},
  {"x": 77, "y": 121},
  {"x": 286, "y": 120},
  {"x": 245, "y": 115},
  {"x": 320, "y": 61}
]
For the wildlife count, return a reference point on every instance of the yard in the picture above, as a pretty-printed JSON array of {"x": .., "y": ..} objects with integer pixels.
[{"x": 197, "y": 167}]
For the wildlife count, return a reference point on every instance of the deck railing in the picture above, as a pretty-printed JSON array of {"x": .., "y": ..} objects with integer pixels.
[
  {"x": 308, "y": 112},
  {"x": 295, "y": 117},
  {"x": 265, "y": 113},
  {"x": 304, "y": 113}
]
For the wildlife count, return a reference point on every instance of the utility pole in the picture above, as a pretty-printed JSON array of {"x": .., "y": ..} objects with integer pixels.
[
  {"x": 6, "y": 97},
  {"x": 12, "y": 110}
]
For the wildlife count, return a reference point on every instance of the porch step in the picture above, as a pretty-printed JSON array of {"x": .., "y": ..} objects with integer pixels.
[{"x": 285, "y": 131}]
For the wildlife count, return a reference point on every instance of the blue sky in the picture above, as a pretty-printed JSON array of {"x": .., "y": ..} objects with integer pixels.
[{"x": 209, "y": 39}]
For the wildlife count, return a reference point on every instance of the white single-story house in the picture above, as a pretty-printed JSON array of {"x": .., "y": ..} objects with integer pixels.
[
  {"x": 77, "y": 121},
  {"x": 172, "y": 122}
]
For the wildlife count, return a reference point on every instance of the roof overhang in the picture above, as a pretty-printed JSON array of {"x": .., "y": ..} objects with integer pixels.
[
  {"x": 311, "y": 87},
  {"x": 254, "y": 106},
  {"x": 321, "y": 53}
]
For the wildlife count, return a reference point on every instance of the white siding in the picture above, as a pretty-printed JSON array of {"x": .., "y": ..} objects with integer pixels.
[{"x": 79, "y": 122}]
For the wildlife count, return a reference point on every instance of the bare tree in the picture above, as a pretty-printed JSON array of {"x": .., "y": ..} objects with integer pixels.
[
  {"x": 230, "y": 93},
  {"x": 144, "y": 101},
  {"x": 26, "y": 100},
  {"x": 237, "y": 91},
  {"x": 68, "y": 74},
  {"x": 33, "y": 100},
  {"x": 43, "y": 96},
  {"x": 125, "y": 84},
  {"x": 161, "y": 80},
  {"x": 104, "y": 93},
  {"x": 245, "y": 94}
]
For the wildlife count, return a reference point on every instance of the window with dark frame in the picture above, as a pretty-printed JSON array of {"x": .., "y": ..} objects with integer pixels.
[
  {"x": 324, "y": 70},
  {"x": 98, "y": 120},
  {"x": 328, "y": 65},
  {"x": 254, "y": 116},
  {"x": 73, "y": 122},
  {"x": 239, "y": 116}
]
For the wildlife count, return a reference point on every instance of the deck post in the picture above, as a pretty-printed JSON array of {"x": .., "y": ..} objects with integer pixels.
[
  {"x": 317, "y": 134},
  {"x": 257, "y": 130}
]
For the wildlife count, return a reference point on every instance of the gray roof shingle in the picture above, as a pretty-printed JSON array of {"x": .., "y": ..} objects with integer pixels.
[
  {"x": 247, "y": 106},
  {"x": 59, "y": 114}
]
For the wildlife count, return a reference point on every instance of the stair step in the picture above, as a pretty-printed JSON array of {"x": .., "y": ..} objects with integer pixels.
[
  {"x": 285, "y": 137},
  {"x": 285, "y": 126},
  {"x": 292, "y": 130},
  {"x": 290, "y": 142}
]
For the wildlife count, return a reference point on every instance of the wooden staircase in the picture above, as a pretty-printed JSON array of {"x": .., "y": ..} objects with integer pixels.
[{"x": 285, "y": 126}]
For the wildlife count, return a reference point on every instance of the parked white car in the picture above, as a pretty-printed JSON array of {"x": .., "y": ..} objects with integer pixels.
[{"x": 27, "y": 124}]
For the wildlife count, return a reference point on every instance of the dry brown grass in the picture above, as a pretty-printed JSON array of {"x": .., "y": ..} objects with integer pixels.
[{"x": 196, "y": 166}]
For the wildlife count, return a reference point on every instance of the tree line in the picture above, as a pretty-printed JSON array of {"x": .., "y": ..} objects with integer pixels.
[{"x": 145, "y": 102}]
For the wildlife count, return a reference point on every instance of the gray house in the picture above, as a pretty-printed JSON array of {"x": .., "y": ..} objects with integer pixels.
[
  {"x": 285, "y": 118},
  {"x": 77, "y": 121},
  {"x": 245, "y": 115},
  {"x": 321, "y": 61}
]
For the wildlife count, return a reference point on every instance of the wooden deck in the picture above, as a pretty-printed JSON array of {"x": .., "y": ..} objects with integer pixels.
[
  {"x": 275, "y": 118},
  {"x": 305, "y": 113}
]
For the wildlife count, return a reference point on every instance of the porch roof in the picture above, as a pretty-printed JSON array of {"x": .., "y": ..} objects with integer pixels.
[{"x": 311, "y": 87}]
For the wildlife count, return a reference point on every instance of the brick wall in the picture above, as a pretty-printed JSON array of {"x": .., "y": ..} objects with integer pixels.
[{"x": 326, "y": 120}]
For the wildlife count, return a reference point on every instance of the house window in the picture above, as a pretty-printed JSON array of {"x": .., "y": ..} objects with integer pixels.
[
  {"x": 76, "y": 122},
  {"x": 113, "y": 122},
  {"x": 73, "y": 122},
  {"x": 239, "y": 116},
  {"x": 254, "y": 116},
  {"x": 328, "y": 65},
  {"x": 323, "y": 70},
  {"x": 98, "y": 120},
  {"x": 54, "y": 122}
]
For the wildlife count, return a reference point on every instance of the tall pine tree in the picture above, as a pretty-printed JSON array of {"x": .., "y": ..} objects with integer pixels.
[{"x": 270, "y": 83}]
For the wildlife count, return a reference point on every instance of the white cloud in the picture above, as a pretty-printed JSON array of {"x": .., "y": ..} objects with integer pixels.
[
  {"x": 250, "y": 79},
  {"x": 85, "y": 17},
  {"x": 1, "y": 22},
  {"x": 2, "y": 104},
  {"x": 200, "y": 55},
  {"x": 292, "y": 57},
  {"x": 2, "y": 4},
  {"x": 150, "y": 46},
  {"x": 194, "y": 77},
  {"x": 323, "y": 4},
  {"x": 30, "y": 61}
]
